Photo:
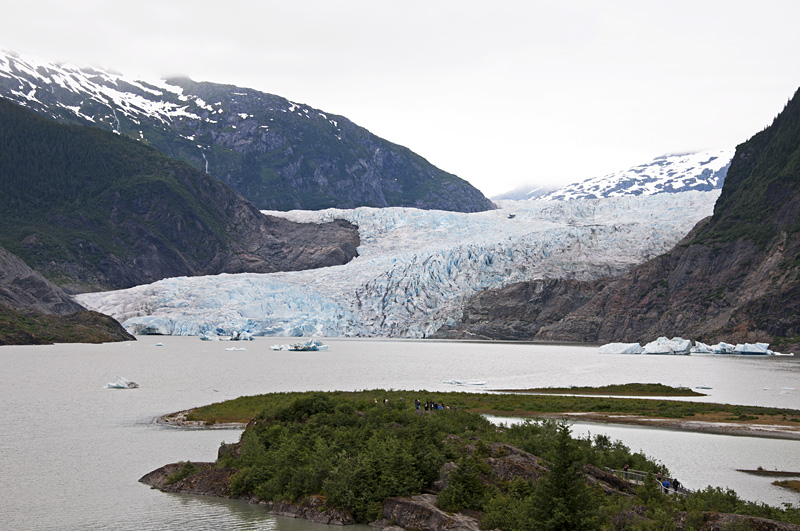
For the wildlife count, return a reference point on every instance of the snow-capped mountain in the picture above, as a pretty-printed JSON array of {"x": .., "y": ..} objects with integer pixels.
[
  {"x": 415, "y": 268},
  {"x": 524, "y": 192},
  {"x": 667, "y": 174},
  {"x": 276, "y": 153}
]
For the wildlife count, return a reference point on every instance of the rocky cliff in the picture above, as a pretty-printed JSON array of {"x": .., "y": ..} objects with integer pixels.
[
  {"x": 33, "y": 311},
  {"x": 735, "y": 278}
]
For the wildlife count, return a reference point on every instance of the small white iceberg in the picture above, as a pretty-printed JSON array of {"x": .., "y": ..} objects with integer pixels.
[
  {"x": 621, "y": 348},
  {"x": 235, "y": 349},
  {"x": 122, "y": 383},
  {"x": 674, "y": 346},
  {"x": 312, "y": 345},
  {"x": 464, "y": 382}
]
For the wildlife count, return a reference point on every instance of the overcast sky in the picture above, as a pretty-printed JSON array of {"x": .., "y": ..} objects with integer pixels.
[{"x": 500, "y": 93}]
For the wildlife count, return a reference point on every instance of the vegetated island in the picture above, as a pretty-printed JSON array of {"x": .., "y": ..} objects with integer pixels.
[
  {"x": 418, "y": 460},
  {"x": 628, "y": 389},
  {"x": 672, "y": 414},
  {"x": 791, "y": 484}
]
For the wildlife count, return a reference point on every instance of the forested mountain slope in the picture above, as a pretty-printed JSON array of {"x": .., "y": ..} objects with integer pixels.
[
  {"x": 278, "y": 154},
  {"x": 94, "y": 210}
]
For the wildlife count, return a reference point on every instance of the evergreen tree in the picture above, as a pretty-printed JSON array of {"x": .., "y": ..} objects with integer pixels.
[{"x": 562, "y": 500}]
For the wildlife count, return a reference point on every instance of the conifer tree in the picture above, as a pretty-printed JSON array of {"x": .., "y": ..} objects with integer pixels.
[{"x": 562, "y": 500}]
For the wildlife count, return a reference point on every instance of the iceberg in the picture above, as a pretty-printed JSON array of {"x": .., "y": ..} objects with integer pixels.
[
  {"x": 701, "y": 348},
  {"x": 122, "y": 383},
  {"x": 758, "y": 349},
  {"x": 662, "y": 345},
  {"x": 745, "y": 349},
  {"x": 463, "y": 382},
  {"x": 621, "y": 348},
  {"x": 310, "y": 345},
  {"x": 415, "y": 269}
]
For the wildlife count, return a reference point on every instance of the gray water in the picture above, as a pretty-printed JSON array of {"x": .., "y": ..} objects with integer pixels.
[{"x": 72, "y": 451}]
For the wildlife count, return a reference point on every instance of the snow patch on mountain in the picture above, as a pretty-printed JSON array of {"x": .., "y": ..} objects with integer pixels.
[
  {"x": 89, "y": 86},
  {"x": 702, "y": 171},
  {"x": 415, "y": 268}
]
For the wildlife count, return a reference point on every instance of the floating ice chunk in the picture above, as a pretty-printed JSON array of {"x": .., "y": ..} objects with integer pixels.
[
  {"x": 662, "y": 345},
  {"x": 462, "y": 382},
  {"x": 122, "y": 383},
  {"x": 310, "y": 345},
  {"x": 759, "y": 349},
  {"x": 701, "y": 348},
  {"x": 722, "y": 348},
  {"x": 621, "y": 348}
]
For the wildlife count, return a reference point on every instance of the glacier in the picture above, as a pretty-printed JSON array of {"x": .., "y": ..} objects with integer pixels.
[{"x": 415, "y": 269}]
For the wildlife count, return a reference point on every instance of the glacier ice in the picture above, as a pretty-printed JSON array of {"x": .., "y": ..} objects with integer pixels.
[
  {"x": 663, "y": 345},
  {"x": 621, "y": 348},
  {"x": 415, "y": 268}
]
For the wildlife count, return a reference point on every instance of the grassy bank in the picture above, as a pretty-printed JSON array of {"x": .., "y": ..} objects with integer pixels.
[
  {"x": 791, "y": 484},
  {"x": 243, "y": 409},
  {"x": 629, "y": 389}
]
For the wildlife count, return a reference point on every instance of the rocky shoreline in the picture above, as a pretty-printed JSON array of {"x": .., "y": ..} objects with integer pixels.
[{"x": 420, "y": 512}]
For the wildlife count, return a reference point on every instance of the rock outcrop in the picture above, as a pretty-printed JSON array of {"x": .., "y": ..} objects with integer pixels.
[
  {"x": 420, "y": 512},
  {"x": 34, "y": 311},
  {"x": 24, "y": 289},
  {"x": 519, "y": 311},
  {"x": 209, "y": 480}
]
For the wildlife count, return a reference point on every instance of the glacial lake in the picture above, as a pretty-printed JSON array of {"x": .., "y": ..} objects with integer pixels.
[{"x": 72, "y": 451}]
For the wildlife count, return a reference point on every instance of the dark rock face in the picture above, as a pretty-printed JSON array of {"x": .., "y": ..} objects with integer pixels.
[
  {"x": 24, "y": 289},
  {"x": 278, "y": 154},
  {"x": 519, "y": 311},
  {"x": 34, "y": 311},
  {"x": 208, "y": 481},
  {"x": 420, "y": 512}
]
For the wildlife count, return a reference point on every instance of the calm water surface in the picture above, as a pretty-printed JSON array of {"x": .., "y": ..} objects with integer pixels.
[{"x": 72, "y": 451}]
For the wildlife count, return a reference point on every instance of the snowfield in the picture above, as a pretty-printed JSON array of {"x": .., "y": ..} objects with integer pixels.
[{"x": 415, "y": 268}]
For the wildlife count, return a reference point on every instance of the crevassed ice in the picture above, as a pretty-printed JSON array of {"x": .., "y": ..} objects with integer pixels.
[{"x": 415, "y": 268}]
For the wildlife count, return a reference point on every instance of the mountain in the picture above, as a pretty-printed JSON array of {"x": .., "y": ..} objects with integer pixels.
[
  {"x": 34, "y": 311},
  {"x": 667, "y": 174},
  {"x": 735, "y": 277},
  {"x": 279, "y": 154},
  {"x": 525, "y": 191},
  {"x": 93, "y": 210},
  {"x": 416, "y": 268}
]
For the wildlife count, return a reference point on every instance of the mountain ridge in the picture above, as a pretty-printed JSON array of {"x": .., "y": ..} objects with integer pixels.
[{"x": 279, "y": 154}]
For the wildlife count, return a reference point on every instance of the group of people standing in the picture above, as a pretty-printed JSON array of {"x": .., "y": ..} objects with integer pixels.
[
  {"x": 664, "y": 483},
  {"x": 430, "y": 406}
]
